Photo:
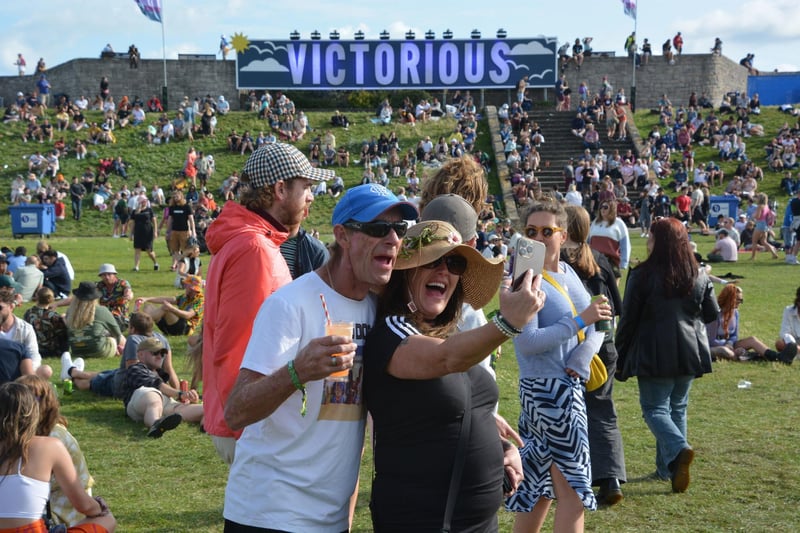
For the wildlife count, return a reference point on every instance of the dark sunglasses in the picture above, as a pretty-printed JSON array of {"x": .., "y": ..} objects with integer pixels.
[
  {"x": 456, "y": 264},
  {"x": 547, "y": 231},
  {"x": 379, "y": 228},
  {"x": 604, "y": 206}
]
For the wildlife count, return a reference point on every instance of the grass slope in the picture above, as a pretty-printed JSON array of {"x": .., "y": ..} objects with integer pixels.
[{"x": 745, "y": 477}]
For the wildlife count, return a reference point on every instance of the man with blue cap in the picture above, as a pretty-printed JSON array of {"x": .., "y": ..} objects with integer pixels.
[{"x": 300, "y": 449}]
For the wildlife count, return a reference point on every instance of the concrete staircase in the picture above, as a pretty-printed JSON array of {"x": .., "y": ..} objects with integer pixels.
[{"x": 560, "y": 144}]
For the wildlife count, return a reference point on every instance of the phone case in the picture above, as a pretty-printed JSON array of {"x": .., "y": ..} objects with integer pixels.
[{"x": 528, "y": 255}]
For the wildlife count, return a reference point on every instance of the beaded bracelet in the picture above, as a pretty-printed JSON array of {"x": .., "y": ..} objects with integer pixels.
[
  {"x": 578, "y": 320},
  {"x": 297, "y": 385},
  {"x": 504, "y": 327},
  {"x": 507, "y": 323}
]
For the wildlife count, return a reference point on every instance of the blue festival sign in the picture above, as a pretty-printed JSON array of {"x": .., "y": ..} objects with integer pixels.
[{"x": 409, "y": 64}]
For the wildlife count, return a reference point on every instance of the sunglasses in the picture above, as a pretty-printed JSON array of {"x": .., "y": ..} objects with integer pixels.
[
  {"x": 456, "y": 264},
  {"x": 547, "y": 231},
  {"x": 604, "y": 207},
  {"x": 379, "y": 228}
]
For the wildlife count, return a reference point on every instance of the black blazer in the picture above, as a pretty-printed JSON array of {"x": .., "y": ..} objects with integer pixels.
[{"x": 664, "y": 337}]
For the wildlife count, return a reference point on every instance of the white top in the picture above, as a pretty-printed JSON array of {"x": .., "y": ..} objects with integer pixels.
[
  {"x": 293, "y": 472},
  {"x": 790, "y": 324}
]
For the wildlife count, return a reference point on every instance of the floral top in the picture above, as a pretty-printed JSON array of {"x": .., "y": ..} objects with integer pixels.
[
  {"x": 195, "y": 304},
  {"x": 114, "y": 298}
]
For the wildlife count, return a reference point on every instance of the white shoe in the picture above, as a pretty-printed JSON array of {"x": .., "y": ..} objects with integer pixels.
[
  {"x": 66, "y": 364},
  {"x": 791, "y": 259},
  {"x": 79, "y": 363}
]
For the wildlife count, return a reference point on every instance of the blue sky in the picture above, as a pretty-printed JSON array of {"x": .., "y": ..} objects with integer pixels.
[{"x": 767, "y": 28}]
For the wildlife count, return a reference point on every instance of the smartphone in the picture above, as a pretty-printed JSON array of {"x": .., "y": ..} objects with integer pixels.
[{"x": 528, "y": 255}]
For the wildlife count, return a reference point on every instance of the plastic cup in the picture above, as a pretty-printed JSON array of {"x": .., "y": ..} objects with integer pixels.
[{"x": 344, "y": 329}]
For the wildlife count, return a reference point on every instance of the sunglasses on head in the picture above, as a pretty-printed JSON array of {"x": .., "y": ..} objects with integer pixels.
[
  {"x": 547, "y": 231},
  {"x": 379, "y": 228},
  {"x": 456, "y": 264}
]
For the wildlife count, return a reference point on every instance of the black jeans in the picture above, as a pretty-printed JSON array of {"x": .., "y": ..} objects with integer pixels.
[{"x": 233, "y": 527}]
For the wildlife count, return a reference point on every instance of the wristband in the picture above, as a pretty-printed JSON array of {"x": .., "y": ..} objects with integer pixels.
[
  {"x": 297, "y": 385},
  {"x": 578, "y": 320},
  {"x": 180, "y": 395}
]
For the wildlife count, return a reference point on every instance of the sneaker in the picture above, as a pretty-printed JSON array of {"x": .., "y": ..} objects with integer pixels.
[
  {"x": 155, "y": 266},
  {"x": 66, "y": 364},
  {"x": 79, "y": 363},
  {"x": 116, "y": 236},
  {"x": 163, "y": 424},
  {"x": 136, "y": 269}
]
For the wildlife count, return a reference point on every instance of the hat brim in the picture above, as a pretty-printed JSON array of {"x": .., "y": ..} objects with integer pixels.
[
  {"x": 480, "y": 280},
  {"x": 407, "y": 209}
]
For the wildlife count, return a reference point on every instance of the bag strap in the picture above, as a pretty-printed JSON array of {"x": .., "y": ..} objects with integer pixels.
[
  {"x": 461, "y": 453},
  {"x": 557, "y": 286}
]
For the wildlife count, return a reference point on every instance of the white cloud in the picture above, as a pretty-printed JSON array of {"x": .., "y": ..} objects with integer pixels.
[{"x": 264, "y": 65}]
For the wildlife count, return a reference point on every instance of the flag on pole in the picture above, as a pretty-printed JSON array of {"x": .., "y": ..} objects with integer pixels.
[
  {"x": 630, "y": 8},
  {"x": 150, "y": 9}
]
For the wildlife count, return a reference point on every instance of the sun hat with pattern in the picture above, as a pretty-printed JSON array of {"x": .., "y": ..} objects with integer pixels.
[
  {"x": 280, "y": 162},
  {"x": 427, "y": 241},
  {"x": 193, "y": 281}
]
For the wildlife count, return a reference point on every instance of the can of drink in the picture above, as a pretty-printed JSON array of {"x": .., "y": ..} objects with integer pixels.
[
  {"x": 184, "y": 390},
  {"x": 67, "y": 387},
  {"x": 601, "y": 325}
]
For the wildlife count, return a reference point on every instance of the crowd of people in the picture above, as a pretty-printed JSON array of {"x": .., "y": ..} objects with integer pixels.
[{"x": 271, "y": 404}]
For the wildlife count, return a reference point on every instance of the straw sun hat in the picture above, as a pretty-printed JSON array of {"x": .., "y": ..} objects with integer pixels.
[{"x": 428, "y": 241}]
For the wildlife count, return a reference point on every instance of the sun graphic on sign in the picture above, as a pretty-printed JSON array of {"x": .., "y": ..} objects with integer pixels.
[{"x": 240, "y": 42}]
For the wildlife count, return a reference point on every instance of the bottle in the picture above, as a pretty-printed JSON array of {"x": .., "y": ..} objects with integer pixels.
[
  {"x": 601, "y": 325},
  {"x": 68, "y": 387},
  {"x": 744, "y": 384}
]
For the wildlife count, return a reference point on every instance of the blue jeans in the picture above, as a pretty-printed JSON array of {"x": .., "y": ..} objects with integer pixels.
[{"x": 664, "y": 402}]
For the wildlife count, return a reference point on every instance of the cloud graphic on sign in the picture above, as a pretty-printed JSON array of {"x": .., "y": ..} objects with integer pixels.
[
  {"x": 533, "y": 48},
  {"x": 541, "y": 75},
  {"x": 517, "y": 67},
  {"x": 264, "y": 65}
]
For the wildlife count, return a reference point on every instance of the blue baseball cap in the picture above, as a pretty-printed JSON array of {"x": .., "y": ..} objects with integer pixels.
[{"x": 364, "y": 203}]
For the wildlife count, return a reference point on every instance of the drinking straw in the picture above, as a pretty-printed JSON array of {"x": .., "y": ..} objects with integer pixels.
[{"x": 325, "y": 308}]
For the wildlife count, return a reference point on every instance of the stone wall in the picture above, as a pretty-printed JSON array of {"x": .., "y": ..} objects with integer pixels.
[{"x": 197, "y": 77}]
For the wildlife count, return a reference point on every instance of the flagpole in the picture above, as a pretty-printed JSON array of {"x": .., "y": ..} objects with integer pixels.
[
  {"x": 164, "y": 54},
  {"x": 635, "y": 52}
]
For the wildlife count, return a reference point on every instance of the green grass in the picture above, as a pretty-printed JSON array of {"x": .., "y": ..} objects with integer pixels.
[{"x": 745, "y": 477}]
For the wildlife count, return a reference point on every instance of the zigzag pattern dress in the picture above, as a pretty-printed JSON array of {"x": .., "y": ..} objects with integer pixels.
[{"x": 553, "y": 422}]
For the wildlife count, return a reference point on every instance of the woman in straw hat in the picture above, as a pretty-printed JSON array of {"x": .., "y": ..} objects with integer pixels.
[
  {"x": 419, "y": 379},
  {"x": 554, "y": 352}
]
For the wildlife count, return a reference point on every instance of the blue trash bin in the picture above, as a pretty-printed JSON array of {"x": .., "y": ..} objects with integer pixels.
[
  {"x": 32, "y": 219},
  {"x": 726, "y": 206}
]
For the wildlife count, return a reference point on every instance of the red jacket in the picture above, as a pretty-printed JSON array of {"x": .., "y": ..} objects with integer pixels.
[{"x": 246, "y": 267}]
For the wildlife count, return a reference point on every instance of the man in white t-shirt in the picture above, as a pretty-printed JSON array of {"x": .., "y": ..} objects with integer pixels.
[{"x": 297, "y": 460}]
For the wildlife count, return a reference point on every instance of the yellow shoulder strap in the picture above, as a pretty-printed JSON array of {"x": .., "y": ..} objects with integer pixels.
[{"x": 557, "y": 286}]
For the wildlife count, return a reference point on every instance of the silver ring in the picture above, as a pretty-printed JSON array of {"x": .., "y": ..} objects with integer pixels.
[{"x": 334, "y": 361}]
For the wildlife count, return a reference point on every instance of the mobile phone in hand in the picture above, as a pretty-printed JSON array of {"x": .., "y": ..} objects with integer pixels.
[{"x": 528, "y": 255}]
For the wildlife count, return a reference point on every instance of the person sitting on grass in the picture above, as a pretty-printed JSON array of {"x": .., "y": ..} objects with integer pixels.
[
  {"x": 723, "y": 333},
  {"x": 149, "y": 399},
  {"x": 18, "y": 330},
  {"x": 177, "y": 315},
  {"x": 23, "y": 498},
  {"x": 49, "y": 325},
  {"x": 790, "y": 326},
  {"x": 53, "y": 424},
  {"x": 92, "y": 330}
]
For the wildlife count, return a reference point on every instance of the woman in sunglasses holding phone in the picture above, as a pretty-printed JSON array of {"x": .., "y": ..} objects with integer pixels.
[
  {"x": 419, "y": 377},
  {"x": 553, "y": 353},
  {"x": 609, "y": 235}
]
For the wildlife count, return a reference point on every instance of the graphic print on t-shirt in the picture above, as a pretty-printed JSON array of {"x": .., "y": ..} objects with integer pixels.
[{"x": 341, "y": 400}]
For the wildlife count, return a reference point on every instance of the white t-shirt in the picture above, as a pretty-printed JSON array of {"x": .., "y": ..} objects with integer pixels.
[{"x": 293, "y": 472}]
